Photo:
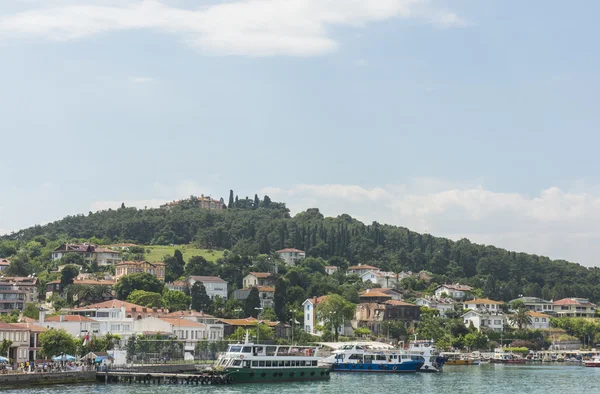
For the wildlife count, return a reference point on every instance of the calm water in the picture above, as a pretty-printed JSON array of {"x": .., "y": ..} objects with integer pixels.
[{"x": 488, "y": 379}]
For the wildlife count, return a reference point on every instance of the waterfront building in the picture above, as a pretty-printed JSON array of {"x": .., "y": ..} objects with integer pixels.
[
  {"x": 156, "y": 269},
  {"x": 456, "y": 291},
  {"x": 258, "y": 279},
  {"x": 539, "y": 321},
  {"x": 214, "y": 285},
  {"x": 536, "y": 304},
  {"x": 90, "y": 253},
  {"x": 266, "y": 294},
  {"x": 574, "y": 307},
  {"x": 372, "y": 315},
  {"x": 214, "y": 327},
  {"x": 76, "y": 325},
  {"x": 484, "y": 304},
  {"x": 483, "y": 319},
  {"x": 188, "y": 331},
  {"x": 443, "y": 305},
  {"x": 16, "y": 291},
  {"x": 291, "y": 256},
  {"x": 310, "y": 314},
  {"x": 24, "y": 340}
]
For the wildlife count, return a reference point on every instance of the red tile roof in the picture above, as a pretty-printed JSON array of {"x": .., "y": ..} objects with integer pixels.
[
  {"x": 181, "y": 322},
  {"x": 29, "y": 326},
  {"x": 261, "y": 275},
  {"x": 484, "y": 301},
  {"x": 399, "y": 303},
  {"x": 573, "y": 301},
  {"x": 207, "y": 279},
  {"x": 188, "y": 313},
  {"x": 457, "y": 287},
  {"x": 69, "y": 318},
  {"x": 316, "y": 300},
  {"x": 537, "y": 314},
  {"x": 375, "y": 294},
  {"x": 4, "y": 262},
  {"x": 290, "y": 250},
  {"x": 362, "y": 267}
]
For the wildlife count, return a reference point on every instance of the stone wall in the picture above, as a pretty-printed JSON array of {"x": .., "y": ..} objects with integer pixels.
[{"x": 33, "y": 379}]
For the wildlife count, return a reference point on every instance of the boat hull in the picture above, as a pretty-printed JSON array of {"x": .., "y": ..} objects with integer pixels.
[
  {"x": 405, "y": 367},
  {"x": 592, "y": 364},
  {"x": 460, "y": 362},
  {"x": 273, "y": 375},
  {"x": 519, "y": 361}
]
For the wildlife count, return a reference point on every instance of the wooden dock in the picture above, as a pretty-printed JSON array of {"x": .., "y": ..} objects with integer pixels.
[{"x": 126, "y": 377}]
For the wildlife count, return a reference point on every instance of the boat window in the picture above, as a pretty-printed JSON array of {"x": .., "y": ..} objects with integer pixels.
[
  {"x": 237, "y": 363},
  {"x": 368, "y": 358},
  {"x": 303, "y": 363},
  {"x": 247, "y": 349},
  {"x": 339, "y": 356},
  {"x": 261, "y": 363},
  {"x": 381, "y": 357},
  {"x": 268, "y": 363},
  {"x": 405, "y": 357},
  {"x": 271, "y": 350},
  {"x": 293, "y": 363},
  {"x": 235, "y": 349},
  {"x": 246, "y": 364},
  {"x": 255, "y": 363},
  {"x": 314, "y": 363},
  {"x": 282, "y": 363},
  {"x": 417, "y": 358},
  {"x": 258, "y": 349},
  {"x": 355, "y": 357},
  {"x": 283, "y": 350}
]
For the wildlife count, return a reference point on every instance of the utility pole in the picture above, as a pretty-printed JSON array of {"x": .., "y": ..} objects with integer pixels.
[{"x": 258, "y": 324}]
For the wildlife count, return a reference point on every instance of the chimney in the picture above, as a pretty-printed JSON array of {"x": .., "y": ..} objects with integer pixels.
[{"x": 42, "y": 316}]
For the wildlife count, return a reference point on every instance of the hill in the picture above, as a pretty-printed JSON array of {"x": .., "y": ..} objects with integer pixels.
[{"x": 252, "y": 227}]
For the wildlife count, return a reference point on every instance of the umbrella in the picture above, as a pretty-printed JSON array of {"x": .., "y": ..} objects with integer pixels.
[
  {"x": 67, "y": 357},
  {"x": 3, "y": 359}
]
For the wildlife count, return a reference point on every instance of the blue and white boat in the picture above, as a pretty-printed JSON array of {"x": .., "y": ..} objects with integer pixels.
[{"x": 359, "y": 358}]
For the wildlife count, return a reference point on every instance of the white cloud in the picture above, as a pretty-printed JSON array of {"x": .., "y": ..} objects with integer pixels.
[
  {"x": 241, "y": 27},
  {"x": 141, "y": 79},
  {"x": 557, "y": 223}
]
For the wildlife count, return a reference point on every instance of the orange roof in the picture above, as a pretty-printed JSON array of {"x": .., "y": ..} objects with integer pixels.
[
  {"x": 399, "y": 303},
  {"x": 484, "y": 301},
  {"x": 69, "y": 318},
  {"x": 105, "y": 250},
  {"x": 29, "y": 326},
  {"x": 537, "y": 314},
  {"x": 140, "y": 263},
  {"x": 573, "y": 301},
  {"x": 289, "y": 250},
  {"x": 4, "y": 262},
  {"x": 181, "y": 322},
  {"x": 187, "y": 313},
  {"x": 260, "y": 274},
  {"x": 331, "y": 266},
  {"x": 264, "y": 289},
  {"x": 316, "y": 300},
  {"x": 249, "y": 321},
  {"x": 375, "y": 294},
  {"x": 362, "y": 267},
  {"x": 116, "y": 304}
]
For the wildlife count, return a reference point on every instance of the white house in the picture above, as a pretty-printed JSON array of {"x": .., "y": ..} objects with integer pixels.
[
  {"x": 258, "y": 279},
  {"x": 185, "y": 330},
  {"x": 539, "y": 321},
  {"x": 214, "y": 285},
  {"x": 536, "y": 304},
  {"x": 4, "y": 264},
  {"x": 361, "y": 269},
  {"x": 484, "y": 304},
  {"x": 393, "y": 294},
  {"x": 310, "y": 314},
  {"x": 331, "y": 269},
  {"x": 574, "y": 307},
  {"x": 291, "y": 256},
  {"x": 214, "y": 328},
  {"x": 385, "y": 279},
  {"x": 266, "y": 294},
  {"x": 77, "y": 326},
  {"x": 485, "y": 320},
  {"x": 455, "y": 291},
  {"x": 443, "y": 305}
]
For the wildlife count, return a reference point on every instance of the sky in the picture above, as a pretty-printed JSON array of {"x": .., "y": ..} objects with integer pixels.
[{"x": 460, "y": 118}]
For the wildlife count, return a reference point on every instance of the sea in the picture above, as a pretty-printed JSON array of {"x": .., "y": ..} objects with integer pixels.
[{"x": 483, "y": 379}]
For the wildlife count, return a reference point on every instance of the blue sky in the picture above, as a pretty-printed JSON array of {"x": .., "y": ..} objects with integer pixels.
[{"x": 462, "y": 118}]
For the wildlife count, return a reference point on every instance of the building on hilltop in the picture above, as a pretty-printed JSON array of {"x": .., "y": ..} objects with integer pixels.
[
  {"x": 90, "y": 253},
  {"x": 456, "y": 291},
  {"x": 484, "y": 304},
  {"x": 361, "y": 269},
  {"x": 291, "y": 256},
  {"x": 443, "y": 305},
  {"x": 204, "y": 202},
  {"x": 4, "y": 264},
  {"x": 536, "y": 304},
  {"x": 483, "y": 319},
  {"x": 331, "y": 269},
  {"x": 574, "y": 307},
  {"x": 258, "y": 279},
  {"x": 266, "y": 294},
  {"x": 214, "y": 285},
  {"x": 16, "y": 291},
  {"x": 156, "y": 269},
  {"x": 392, "y": 293}
]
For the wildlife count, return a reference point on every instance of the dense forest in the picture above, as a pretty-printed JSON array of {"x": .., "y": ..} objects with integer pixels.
[{"x": 249, "y": 228}]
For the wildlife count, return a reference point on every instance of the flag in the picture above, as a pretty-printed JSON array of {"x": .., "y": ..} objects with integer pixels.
[{"x": 86, "y": 339}]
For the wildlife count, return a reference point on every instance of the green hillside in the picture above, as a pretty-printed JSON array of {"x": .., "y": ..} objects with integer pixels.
[{"x": 157, "y": 252}]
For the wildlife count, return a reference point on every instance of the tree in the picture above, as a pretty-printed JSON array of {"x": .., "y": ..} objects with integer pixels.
[
  {"x": 362, "y": 332},
  {"x": 138, "y": 281},
  {"x": 201, "y": 302},
  {"x": 334, "y": 310},
  {"x": 252, "y": 302},
  {"x": 5, "y": 346},
  {"x": 31, "y": 311},
  {"x": 68, "y": 275},
  {"x": 268, "y": 314},
  {"x": 20, "y": 265},
  {"x": 280, "y": 299},
  {"x": 146, "y": 298},
  {"x": 520, "y": 318},
  {"x": 198, "y": 266},
  {"x": 173, "y": 268},
  {"x": 73, "y": 258},
  {"x": 256, "y": 202},
  {"x": 230, "y": 205},
  {"x": 57, "y": 342},
  {"x": 266, "y": 202},
  {"x": 176, "y": 300}
]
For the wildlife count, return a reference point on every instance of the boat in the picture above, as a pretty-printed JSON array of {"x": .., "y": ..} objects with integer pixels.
[
  {"x": 502, "y": 357},
  {"x": 263, "y": 363},
  {"x": 456, "y": 358},
  {"x": 595, "y": 362},
  {"x": 434, "y": 362},
  {"x": 361, "y": 358}
]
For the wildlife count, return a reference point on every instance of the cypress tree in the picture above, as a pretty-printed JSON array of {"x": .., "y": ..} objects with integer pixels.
[
  {"x": 280, "y": 299},
  {"x": 231, "y": 201},
  {"x": 201, "y": 302},
  {"x": 252, "y": 302},
  {"x": 256, "y": 202}
]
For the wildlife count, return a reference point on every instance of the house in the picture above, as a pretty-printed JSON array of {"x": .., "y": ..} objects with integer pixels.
[
  {"x": 230, "y": 325},
  {"x": 89, "y": 252},
  {"x": 266, "y": 294},
  {"x": 393, "y": 294},
  {"x": 16, "y": 291},
  {"x": 214, "y": 285},
  {"x": 291, "y": 256},
  {"x": 179, "y": 285},
  {"x": 76, "y": 325},
  {"x": 372, "y": 315},
  {"x": 55, "y": 286},
  {"x": 443, "y": 305},
  {"x": 214, "y": 328},
  {"x": 4, "y": 264},
  {"x": 574, "y": 307},
  {"x": 258, "y": 279},
  {"x": 374, "y": 295},
  {"x": 384, "y": 279},
  {"x": 310, "y": 314},
  {"x": 188, "y": 331},
  {"x": 536, "y": 304},
  {"x": 34, "y": 333},
  {"x": 485, "y": 320},
  {"x": 204, "y": 202},
  {"x": 331, "y": 269},
  {"x": 484, "y": 304},
  {"x": 539, "y": 321},
  {"x": 20, "y": 338},
  {"x": 456, "y": 291},
  {"x": 361, "y": 269},
  {"x": 122, "y": 246},
  {"x": 133, "y": 267}
]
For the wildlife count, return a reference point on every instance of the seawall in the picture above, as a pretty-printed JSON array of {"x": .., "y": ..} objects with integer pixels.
[{"x": 34, "y": 379}]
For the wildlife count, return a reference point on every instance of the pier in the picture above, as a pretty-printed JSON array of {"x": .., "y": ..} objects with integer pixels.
[{"x": 127, "y": 377}]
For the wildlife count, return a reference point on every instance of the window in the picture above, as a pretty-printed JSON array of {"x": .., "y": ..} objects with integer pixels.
[
  {"x": 237, "y": 363},
  {"x": 268, "y": 363},
  {"x": 543, "y": 320},
  {"x": 308, "y": 317},
  {"x": 255, "y": 363},
  {"x": 261, "y": 363},
  {"x": 247, "y": 349},
  {"x": 537, "y": 319}
]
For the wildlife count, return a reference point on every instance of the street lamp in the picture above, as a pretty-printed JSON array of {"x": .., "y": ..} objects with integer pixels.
[{"x": 257, "y": 324}]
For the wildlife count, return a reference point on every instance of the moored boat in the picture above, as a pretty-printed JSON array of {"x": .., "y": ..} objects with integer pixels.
[
  {"x": 595, "y": 362},
  {"x": 260, "y": 363},
  {"x": 456, "y": 358},
  {"x": 502, "y": 357},
  {"x": 359, "y": 358},
  {"x": 434, "y": 362}
]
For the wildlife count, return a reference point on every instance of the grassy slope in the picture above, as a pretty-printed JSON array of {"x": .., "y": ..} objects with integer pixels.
[{"x": 157, "y": 252}]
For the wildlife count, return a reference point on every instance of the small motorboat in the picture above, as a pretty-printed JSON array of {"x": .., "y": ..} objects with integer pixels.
[{"x": 595, "y": 362}]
